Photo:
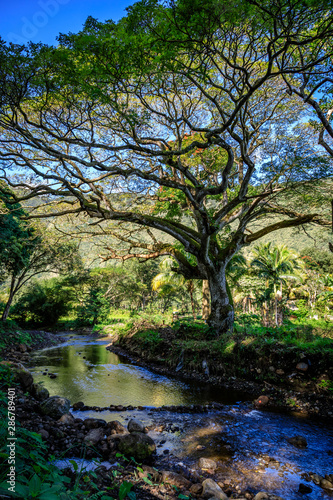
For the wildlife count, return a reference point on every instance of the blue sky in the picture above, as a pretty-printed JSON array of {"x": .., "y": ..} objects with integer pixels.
[{"x": 42, "y": 20}]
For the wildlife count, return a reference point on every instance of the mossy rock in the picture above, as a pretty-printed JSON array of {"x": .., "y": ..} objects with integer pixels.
[
  {"x": 137, "y": 445},
  {"x": 39, "y": 392},
  {"x": 23, "y": 377},
  {"x": 55, "y": 406}
]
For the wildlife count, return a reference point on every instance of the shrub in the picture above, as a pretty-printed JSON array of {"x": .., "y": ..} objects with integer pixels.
[{"x": 43, "y": 303}]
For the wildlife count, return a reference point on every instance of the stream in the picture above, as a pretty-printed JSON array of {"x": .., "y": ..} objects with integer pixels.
[{"x": 250, "y": 446}]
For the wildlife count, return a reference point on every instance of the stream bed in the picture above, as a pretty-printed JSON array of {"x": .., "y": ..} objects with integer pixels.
[{"x": 250, "y": 446}]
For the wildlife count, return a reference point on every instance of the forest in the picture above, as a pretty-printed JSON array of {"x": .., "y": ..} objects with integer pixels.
[{"x": 166, "y": 205}]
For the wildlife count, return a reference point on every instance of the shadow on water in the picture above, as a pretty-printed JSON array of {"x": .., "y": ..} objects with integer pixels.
[{"x": 250, "y": 446}]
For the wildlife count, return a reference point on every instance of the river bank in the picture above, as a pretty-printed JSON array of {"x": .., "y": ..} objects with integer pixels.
[
  {"x": 278, "y": 377},
  {"x": 194, "y": 428},
  {"x": 67, "y": 435}
]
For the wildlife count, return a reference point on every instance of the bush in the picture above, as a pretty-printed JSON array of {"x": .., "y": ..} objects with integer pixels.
[
  {"x": 302, "y": 311},
  {"x": 193, "y": 330},
  {"x": 95, "y": 309},
  {"x": 43, "y": 303}
]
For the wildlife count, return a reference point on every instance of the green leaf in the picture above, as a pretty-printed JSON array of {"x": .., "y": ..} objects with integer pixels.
[
  {"x": 124, "y": 489},
  {"x": 75, "y": 465},
  {"x": 34, "y": 485},
  {"x": 47, "y": 488},
  {"x": 48, "y": 496}
]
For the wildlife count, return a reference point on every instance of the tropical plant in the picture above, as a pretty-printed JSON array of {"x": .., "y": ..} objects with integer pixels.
[
  {"x": 276, "y": 264},
  {"x": 326, "y": 295},
  {"x": 169, "y": 280},
  {"x": 175, "y": 119}
]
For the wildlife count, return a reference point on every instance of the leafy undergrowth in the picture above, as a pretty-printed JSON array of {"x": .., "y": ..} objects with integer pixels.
[
  {"x": 11, "y": 333},
  {"x": 251, "y": 351}
]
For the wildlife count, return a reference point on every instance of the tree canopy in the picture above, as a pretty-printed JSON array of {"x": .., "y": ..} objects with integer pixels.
[{"x": 179, "y": 119}]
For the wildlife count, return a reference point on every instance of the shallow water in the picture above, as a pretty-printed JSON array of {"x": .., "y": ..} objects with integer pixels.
[
  {"x": 87, "y": 372},
  {"x": 250, "y": 446}
]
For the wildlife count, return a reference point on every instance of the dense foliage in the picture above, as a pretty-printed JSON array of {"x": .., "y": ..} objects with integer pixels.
[{"x": 178, "y": 129}]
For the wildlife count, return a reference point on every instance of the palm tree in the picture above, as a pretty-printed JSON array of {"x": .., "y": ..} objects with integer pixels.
[{"x": 277, "y": 264}]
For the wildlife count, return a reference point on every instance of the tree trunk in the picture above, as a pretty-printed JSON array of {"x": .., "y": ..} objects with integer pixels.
[
  {"x": 205, "y": 300},
  {"x": 10, "y": 300},
  {"x": 280, "y": 306},
  {"x": 276, "y": 307},
  {"x": 222, "y": 311}
]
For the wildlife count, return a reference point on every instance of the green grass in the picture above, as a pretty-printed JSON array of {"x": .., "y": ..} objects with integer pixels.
[{"x": 250, "y": 346}]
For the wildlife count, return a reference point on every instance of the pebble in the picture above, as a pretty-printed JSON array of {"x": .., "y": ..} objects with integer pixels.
[{"x": 207, "y": 463}]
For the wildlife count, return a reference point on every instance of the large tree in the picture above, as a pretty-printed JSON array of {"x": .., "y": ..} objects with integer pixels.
[
  {"x": 28, "y": 249},
  {"x": 175, "y": 120}
]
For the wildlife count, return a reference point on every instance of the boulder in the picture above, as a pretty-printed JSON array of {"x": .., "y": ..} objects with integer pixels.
[
  {"x": 94, "y": 436},
  {"x": 116, "y": 427},
  {"x": 55, "y": 406},
  {"x": 113, "y": 441},
  {"x": 135, "y": 425},
  {"x": 137, "y": 445},
  {"x": 23, "y": 377},
  {"x": 44, "y": 434},
  {"x": 66, "y": 419},
  {"x": 39, "y": 392},
  {"x": 205, "y": 368},
  {"x": 207, "y": 463},
  {"x": 22, "y": 348},
  {"x": 298, "y": 441},
  {"x": 94, "y": 423},
  {"x": 302, "y": 367},
  {"x": 78, "y": 405},
  {"x": 175, "y": 479},
  {"x": 211, "y": 489},
  {"x": 261, "y": 401},
  {"x": 327, "y": 485},
  {"x": 196, "y": 489},
  {"x": 262, "y": 495},
  {"x": 316, "y": 478},
  {"x": 304, "y": 488}
]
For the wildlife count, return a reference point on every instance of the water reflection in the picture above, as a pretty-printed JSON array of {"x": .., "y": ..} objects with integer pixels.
[
  {"x": 251, "y": 447},
  {"x": 87, "y": 372}
]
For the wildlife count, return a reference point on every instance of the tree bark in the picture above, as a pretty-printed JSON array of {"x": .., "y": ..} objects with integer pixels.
[
  {"x": 9, "y": 301},
  {"x": 221, "y": 317},
  {"x": 205, "y": 300},
  {"x": 240, "y": 171},
  {"x": 276, "y": 307}
]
